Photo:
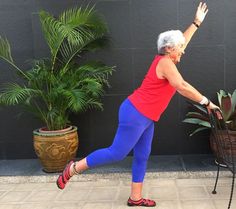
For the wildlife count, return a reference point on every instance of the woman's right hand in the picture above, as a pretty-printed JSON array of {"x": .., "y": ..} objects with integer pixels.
[{"x": 212, "y": 106}]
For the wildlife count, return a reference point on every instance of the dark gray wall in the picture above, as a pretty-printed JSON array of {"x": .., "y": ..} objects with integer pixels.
[{"x": 209, "y": 64}]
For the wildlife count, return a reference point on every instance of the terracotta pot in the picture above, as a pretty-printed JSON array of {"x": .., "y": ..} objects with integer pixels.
[{"x": 54, "y": 150}]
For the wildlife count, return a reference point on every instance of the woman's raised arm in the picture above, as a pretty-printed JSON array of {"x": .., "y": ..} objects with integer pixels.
[{"x": 199, "y": 18}]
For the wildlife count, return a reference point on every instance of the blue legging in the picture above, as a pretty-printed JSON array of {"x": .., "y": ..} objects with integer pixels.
[{"x": 135, "y": 131}]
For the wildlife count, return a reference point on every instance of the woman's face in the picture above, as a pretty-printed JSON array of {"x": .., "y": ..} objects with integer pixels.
[{"x": 176, "y": 53}]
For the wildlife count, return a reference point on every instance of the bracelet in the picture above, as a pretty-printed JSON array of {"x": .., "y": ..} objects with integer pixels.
[
  {"x": 204, "y": 100},
  {"x": 208, "y": 103},
  {"x": 196, "y": 24}
]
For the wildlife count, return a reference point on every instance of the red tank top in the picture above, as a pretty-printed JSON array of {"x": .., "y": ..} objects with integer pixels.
[{"x": 154, "y": 94}]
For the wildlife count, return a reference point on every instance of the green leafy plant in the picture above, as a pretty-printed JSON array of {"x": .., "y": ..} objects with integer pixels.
[
  {"x": 199, "y": 116},
  {"x": 56, "y": 86}
]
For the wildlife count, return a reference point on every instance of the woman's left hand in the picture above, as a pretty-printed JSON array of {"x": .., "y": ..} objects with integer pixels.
[{"x": 201, "y": 13}]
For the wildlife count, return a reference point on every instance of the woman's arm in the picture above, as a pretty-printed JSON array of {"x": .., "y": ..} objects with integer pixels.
[
  {"x": 199, "y": 17},
  {"x": 171, "y": 73}
]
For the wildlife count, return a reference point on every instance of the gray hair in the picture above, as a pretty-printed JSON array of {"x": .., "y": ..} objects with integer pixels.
[{"x": 170, "y": 38}]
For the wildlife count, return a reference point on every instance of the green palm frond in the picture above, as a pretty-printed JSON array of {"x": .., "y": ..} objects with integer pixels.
[
  {"x": 76, "y": 21},
  {"x": 77, "y": 99},
  {"x": 68, "y": 52},
  {"x": 5, "y": 54},
  {"x": 83, "y": 20},
  {"x": 5, "y": 50},
  {"x": 55, "y": 120},
  {"x": 14, "y": 94},
  {"x": 54, "y": 32},
  {"x": 96, "y": 70},
  {"x": 92, "y": 87},
  {"x": 94, "y": 104},
  {"x": 69, "y": 34}
]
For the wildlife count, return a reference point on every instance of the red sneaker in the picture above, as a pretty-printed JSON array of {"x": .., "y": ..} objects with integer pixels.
[
  {"x": 141, "y": 202},
  {"x": 65, "y": 176}
]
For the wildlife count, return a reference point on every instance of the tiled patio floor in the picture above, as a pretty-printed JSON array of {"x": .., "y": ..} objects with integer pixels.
[
  {"x": 112, "y": 194},
  {"x": 173, "y": 181}
]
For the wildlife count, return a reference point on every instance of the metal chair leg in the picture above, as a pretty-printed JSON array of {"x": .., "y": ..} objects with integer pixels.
[
  {"x": 217, "y": 177},
  {"x": 232, "y": 191}
]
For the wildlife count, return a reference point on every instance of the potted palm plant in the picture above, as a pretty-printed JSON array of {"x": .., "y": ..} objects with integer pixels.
[
  {"x": 199, "y": 117},
  {"x": 56, "y": 86}
]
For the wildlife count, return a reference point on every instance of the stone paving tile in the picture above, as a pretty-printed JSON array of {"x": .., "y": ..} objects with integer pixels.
[
  {"x": 219, "y": 204},
  {"x": 27, "y": 187},
  {"x": 66, "y": 206},
  {"x": 124, "y": 193},
  {"x": 48, "y": 186},
  {"x": 221, "y": 181},
  {"x": 163, "y": 193},
  {"x": 197, "y": 204},
  {"x": 128, "y": 182},
  {"x": 33, "y": 206},
  {"x": 7, "y": 187},
  {"x": 223, "y": 192},
  {"x": 41, "y": 196},
  {"x": 74, "y": 195},
  {"x": 2, "y": 193},
  {"x": 191, "y": 182},
  {"x": 51, "y": 205},
  {"x": 193, "y": 192},
  {"x": 14, "y": 196},
  {"x": 103, "y": 194},
  {"x": 7, "y": 206},
  {"x": 210, "y": 182},
  {"x": 168, "y": 204},
  {"x": 101, "y": 182},
  {"x": 122, "y": 205},
  {"x": 161, "y": 182},
  {"x": 104, "y": 205}
]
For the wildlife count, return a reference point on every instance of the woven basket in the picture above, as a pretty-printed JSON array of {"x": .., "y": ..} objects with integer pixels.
[{"x": 228, "y": 148}]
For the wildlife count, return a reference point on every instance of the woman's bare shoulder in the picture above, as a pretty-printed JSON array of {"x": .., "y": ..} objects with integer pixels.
[{"x": 165, "y": 61}]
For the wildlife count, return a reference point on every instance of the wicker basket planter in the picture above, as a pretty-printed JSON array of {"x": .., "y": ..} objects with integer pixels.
[
  {"x": 225, "y": 144},
  {"x": 55, "y": 149}
]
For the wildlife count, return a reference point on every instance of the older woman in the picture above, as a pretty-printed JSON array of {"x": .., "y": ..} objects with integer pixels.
[{"x": 144, "y": 106}]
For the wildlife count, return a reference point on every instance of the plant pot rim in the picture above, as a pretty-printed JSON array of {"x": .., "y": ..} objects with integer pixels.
[
  {"x": 45, "y": 130},
  {"x": 54, "y": 133}
]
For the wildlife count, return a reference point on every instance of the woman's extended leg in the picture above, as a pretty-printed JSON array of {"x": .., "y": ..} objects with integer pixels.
[
  {"x": 124, "y": 141},
  {"x": 131, "y": 126}
]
